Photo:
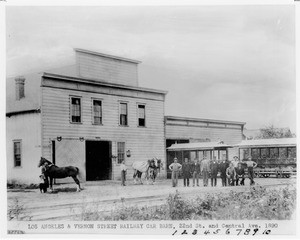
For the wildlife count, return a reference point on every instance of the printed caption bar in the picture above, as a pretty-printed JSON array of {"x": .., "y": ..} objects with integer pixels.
[{"x": 208, "y": 228}]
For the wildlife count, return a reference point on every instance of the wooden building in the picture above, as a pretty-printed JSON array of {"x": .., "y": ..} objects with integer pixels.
[
  {"x": 92, "y": 115},
  {"x": 183, "y": 130}
]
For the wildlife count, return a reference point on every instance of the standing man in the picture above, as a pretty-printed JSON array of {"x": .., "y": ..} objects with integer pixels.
[
  {"x": 214, "y": 168},
  {"x": 123, "y": 173},
  {"x": 205, "y": 168},
  {"x": 195, "y": 169},
  {"x": 175, "y": 167},
  {"x": 251, "y": 165},
  {"x": 231, "y": 174},
  {"x": 222, "y": 168},
  {"x": 186, "y": 171},
  {"x": 235, "y": 161}
]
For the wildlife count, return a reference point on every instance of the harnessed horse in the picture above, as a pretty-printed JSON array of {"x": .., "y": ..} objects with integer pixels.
[
  {"x": 52, "y": 171},
  {"x": 151, "y": 168}
]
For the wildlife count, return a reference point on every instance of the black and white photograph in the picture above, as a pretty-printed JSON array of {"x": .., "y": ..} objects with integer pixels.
[{"x": 171, "y": 119}]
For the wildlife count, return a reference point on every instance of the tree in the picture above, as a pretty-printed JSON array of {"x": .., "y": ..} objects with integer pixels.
[{"x": 272, "y": 132}]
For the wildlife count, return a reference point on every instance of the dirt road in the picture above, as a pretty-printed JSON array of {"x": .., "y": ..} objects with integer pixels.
[{"x": 103, "y": 196}]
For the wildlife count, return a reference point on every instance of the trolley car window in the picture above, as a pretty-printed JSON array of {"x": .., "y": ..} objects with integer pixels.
[
  {"x": 274, "y": 153},
  {"x": 255, "y": 153},
  {"x": 265, "y": 153},
  {"x": 282, "y": 153}
]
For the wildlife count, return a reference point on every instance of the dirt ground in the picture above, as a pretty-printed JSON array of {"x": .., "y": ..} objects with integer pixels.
[{"x": 67, "y": 204}]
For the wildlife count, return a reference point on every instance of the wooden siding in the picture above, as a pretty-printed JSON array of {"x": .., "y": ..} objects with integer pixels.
[
  {"x": 106, "y": 69},
  {"x": 143, "y": 142},
  {"x": 228, "y": 135},
  {"x": 27, "y": 128}
]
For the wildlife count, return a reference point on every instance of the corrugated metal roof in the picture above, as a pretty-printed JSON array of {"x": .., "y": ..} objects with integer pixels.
[
  {"x": 274, "y": 142},
  {"x": 197, "y": 146}
]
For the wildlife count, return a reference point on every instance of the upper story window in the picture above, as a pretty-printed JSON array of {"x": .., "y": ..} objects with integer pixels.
[
  {"x": 97, "y": 112},
  {"x": 141, "y": 115},
  {"x": 75, "y": 110},
  {"x": 17, "y": 153},
  {"x": 123, "y": 114}
]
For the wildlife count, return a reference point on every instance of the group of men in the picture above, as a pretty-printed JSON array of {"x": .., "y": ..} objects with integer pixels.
[{"x": 231, "y": 172}]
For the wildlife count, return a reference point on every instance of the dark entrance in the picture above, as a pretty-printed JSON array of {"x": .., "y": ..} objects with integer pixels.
[{"x": 98, "y": 162}]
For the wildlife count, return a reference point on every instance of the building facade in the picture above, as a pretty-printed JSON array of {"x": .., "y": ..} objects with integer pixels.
[{"x": 93, "y": 118}]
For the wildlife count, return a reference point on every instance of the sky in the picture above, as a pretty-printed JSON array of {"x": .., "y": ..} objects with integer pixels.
[{"x": 216, "y": 62}]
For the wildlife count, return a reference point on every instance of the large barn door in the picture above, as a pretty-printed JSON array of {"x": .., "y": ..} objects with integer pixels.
[{"x": 98, "y": 161}]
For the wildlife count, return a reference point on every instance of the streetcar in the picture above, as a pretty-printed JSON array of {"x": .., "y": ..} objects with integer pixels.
[
  {"x": 274, "y": 157},
  {"x": 196, "y": 150}
]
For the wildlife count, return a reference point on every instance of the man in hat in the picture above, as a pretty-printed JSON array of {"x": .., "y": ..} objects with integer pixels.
[
  {"x": 214, "y": 168},
  {"x": 195, "y": 169},
  {"x": 186, "y": 171},
  {"x": 175, "y": 167},
  {"x": 205, "y": 168},
  {"x": 250, "y": 166},
  {"x": 222, "y": 168}
]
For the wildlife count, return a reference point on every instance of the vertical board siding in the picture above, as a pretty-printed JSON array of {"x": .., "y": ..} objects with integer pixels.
[
  {"x": 143, "y": 142},
  {"x": 107, "y": 69}
]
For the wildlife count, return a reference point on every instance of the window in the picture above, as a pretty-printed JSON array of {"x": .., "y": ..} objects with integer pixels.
[
  {"x": 121, "y": 152},
  {"x": 274, "y": 153},
  {"x": 141, "y": 116},
  {"x": 123, "y": 114},
  {"x": 97, "y": 112},
  {"x": 17, "y": 153},
  {"x": 75, "y": 110}
]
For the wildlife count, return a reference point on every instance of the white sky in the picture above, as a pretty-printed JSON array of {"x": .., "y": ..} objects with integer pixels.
[{"x": 219, "y": 62}]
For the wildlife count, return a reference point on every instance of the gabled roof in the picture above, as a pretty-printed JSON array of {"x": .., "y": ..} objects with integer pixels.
[
  {"x": 274, "y": 142},
  {"x": 198, "y": 146}
]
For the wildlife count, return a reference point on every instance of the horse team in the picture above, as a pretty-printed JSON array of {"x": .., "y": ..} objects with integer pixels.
[{"x": 151, "y": 169}]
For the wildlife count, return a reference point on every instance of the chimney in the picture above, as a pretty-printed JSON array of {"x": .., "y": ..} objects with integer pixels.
[{"x": 20, "y": 92}]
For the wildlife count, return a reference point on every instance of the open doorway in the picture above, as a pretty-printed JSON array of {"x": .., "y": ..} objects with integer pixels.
[{"x": 98, "y": 161}]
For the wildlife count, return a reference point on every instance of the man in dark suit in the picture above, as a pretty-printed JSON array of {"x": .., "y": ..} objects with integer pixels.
[
  {"x": 186, "y": 171},
  {"x": 222, "y": 168},
  {"x": 214, "y": 168},
  {"x": 195, "y": 170}
]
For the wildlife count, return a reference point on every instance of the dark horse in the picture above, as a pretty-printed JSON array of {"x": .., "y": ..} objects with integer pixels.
[{"x": 52, "y": 171}]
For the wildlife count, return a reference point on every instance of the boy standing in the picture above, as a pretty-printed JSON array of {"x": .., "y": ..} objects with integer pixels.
[{"x": 123, "y": 173}]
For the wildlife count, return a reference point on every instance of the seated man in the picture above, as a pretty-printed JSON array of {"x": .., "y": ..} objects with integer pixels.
[{"x": 240, "y": 175}]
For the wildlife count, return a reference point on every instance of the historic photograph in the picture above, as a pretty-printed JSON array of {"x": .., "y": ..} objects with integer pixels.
[{"x": 151, "y": 113}]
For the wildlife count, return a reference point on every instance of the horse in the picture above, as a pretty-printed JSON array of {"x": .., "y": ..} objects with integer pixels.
[
  {"x": 151, "y": 168},
  {"x": 52, "y": 171}
]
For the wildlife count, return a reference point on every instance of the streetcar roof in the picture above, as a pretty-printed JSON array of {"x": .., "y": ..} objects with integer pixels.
[
  {"x": 198, "y": 146},
  {"x": 274, "y": 142}
]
